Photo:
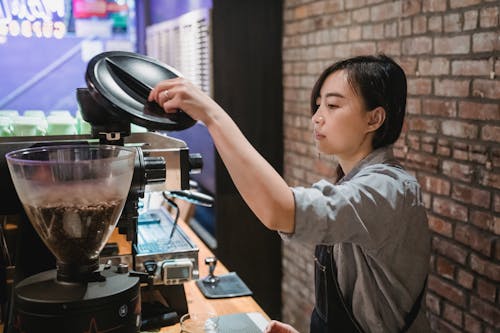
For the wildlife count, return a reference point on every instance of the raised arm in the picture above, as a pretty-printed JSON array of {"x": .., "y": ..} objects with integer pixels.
[{"x": 262, "y": 188}]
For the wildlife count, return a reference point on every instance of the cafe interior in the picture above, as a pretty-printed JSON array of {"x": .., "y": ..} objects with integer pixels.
[{"x": 176, "y": 247}]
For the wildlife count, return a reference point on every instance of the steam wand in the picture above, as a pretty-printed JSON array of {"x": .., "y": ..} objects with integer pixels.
[
  {"x": 177, "y": 211},
  {"x": 196, "y": 198}
]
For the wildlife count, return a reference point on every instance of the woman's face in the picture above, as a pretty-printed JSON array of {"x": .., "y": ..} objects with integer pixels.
[{"x": 341, "y": 121}]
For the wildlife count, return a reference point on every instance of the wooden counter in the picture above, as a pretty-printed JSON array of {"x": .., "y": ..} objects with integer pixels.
[{"x": 195, "y": 299}]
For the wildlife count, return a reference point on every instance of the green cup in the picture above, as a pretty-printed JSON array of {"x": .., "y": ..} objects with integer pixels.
[
  {"x": 5, "y": 126},
  {"x": 26, "y": 126},
  {"x": 61, "y": 125}
]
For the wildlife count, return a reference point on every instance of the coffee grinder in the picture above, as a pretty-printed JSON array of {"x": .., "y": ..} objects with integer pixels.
[
  {"x": 116, "y": 96},
  {"x": 73, "y": 196}
]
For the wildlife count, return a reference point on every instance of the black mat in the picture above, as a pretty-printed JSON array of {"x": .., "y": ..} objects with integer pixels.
[{"x": 229, "y": 285}]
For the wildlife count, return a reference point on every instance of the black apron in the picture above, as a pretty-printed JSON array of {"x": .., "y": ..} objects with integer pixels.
[{"x": 331, "y": 314}]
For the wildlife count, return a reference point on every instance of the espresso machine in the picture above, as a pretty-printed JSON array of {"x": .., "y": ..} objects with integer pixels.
[{"x": 99, "y": 288}]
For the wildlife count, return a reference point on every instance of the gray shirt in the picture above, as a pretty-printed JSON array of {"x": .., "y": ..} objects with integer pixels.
[{"x": 376, "y": 220}]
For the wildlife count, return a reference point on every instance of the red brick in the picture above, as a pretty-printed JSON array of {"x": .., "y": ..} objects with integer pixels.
[
  {"x": 496, "y": 203},
  {"x": 404, "y": 27},
  {"x": 423, "y": 125},
  {"x": 353, "y": 3},
  {"x": 471, "y": 67},
  {"x": 486, "y": 88},
  {"x": 465, "y": 279},
  {"x": 391, "y": 30},
  {"x": 409, "y": 64},
  {"x": 446, "y": 290},
  {"x": 478, "y": 111},
  {"x": 463, "y": 3},
  {"x": 385, "y": 11},
  {"x": 452, "y": 88},
  {"x": 440, "y": 226},
  {"x": 424, "y": 161},
  {"x": 460, "y": 171},
  {"x": 490, "y": 179},
  {"x": 459, "y": 129},
  {"x": 478, "y": 154},
  {"x": 484, "y": 41},
  {"x": 471, "y": 195},
  {"x": 419, "y": 24},
  {"x": 484, "y": 267},
  {"x": 433, "y": 6},
  {"x": 452, "y": 22},
  {"x": 445, "y": 268},
  {"x": 439, "y": 107},
  {"x": 488, "y": 17},
  {"x": 435, "y": 185},
  {"x": 335, "y": 6},
  {"x": 389, "y": 47},
  {"x": 452, "y": 251},
  {"x": 490, "y": 133},
  {"x": 433, "y": 66},
  {"x": 474, "y": 238},
  {"x": 435, "y": 24},
  {"x": 453, "y": 314},
  {"x": 471, "y": 153},
  {"x": 486, "y": 221},
  {"x": 449, "y": 208},
  {"x": 472, "y": 324},
  {"x": 361, "y": 15},
  {"x": 470, "y": 20},
  {"x": 443, "y": 148},
  {"x": 495, "y": 157},
  {"x": 419, "y": 86},
  {"x": 452, "y": 45},
  {"x": 486, "y": 290},
  {"x": 417, "y": 45},
  {"x": 411, "y": 7},
  {"x": 489, "y": 313},
  {"x": 301, "y": 12}
]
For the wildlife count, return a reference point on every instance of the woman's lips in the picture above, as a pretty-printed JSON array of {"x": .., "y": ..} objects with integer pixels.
[{"x": 318, "y": 136}]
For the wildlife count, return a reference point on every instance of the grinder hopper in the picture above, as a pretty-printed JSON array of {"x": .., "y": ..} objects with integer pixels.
[{"x": 73, "y": 196}]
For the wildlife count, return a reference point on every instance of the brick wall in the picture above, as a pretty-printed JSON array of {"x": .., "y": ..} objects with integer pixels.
[{"x": 450, "y": 52}]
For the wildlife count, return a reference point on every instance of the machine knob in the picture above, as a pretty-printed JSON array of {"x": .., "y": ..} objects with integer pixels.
[
  {"x": 122, "y": 268},
  {"x": 150, "y": 266},
  {"x": 154, "y": 169},
  {"x": 195, "y": 163}
]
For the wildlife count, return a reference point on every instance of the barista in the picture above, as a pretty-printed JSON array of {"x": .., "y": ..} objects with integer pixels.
[{"x": 369, "y": 224}]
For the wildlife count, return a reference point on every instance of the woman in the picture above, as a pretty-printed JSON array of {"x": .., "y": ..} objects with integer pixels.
[{"x": 369, "y": 226}]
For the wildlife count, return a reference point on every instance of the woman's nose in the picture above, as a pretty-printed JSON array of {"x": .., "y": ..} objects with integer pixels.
[{"x": 317, "y": 118}]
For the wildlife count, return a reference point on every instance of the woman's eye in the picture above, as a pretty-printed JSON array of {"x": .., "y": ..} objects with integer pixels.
[{"x": 332, "y": 106}]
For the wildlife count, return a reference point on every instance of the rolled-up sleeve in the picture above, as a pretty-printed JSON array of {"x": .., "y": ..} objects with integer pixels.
[{"x": 356, "y": 211}]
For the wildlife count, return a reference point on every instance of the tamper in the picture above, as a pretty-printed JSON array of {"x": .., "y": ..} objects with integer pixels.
[{"x": 211, "y": 279}]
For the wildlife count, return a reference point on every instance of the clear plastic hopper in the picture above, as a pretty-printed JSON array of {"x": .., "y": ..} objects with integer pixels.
[{"x": 73, "y": 196}]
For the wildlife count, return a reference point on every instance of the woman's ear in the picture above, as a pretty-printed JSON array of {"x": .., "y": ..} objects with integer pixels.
[{"x": 376, "y": 118}]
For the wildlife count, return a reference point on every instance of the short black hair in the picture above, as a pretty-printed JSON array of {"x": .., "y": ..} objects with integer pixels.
[{"x": 380, "y": 81}]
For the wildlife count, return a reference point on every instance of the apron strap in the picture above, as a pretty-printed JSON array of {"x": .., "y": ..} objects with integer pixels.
[{"x": 412, "y": 315}]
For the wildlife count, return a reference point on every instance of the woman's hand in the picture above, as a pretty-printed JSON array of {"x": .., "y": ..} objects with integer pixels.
[
  {"x": 179, "y": 93},
  {"x": 262, "y": 188},
  {"x": 279, "y": 327}
]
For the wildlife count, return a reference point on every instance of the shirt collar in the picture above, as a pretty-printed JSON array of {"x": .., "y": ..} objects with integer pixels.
[{"x": 379, "y": 155}]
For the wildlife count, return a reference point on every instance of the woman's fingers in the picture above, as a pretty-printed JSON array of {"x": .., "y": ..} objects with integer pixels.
[{"x": 161, "y": 91}]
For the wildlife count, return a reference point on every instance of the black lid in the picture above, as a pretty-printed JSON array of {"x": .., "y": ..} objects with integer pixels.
[{"x": 121, "y": 81}]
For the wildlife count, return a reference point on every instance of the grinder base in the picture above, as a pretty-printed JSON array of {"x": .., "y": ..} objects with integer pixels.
[{"x": 43, "y": 304}]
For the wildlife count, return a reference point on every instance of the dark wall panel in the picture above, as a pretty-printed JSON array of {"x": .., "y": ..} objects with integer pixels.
[{"x": 247, "y": 84}]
